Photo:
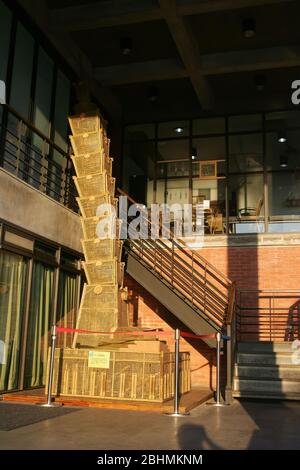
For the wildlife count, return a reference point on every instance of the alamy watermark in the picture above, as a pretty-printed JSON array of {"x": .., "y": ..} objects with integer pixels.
[
  {"x": 295, "y": 97},
  {"x": 158, "y": 221}
]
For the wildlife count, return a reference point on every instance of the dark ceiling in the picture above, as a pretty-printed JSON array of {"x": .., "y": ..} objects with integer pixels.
[
  {"x": 193, "y": 52},
  {"x": 276, "y": 25},
  {"x": 151, "y": 40}
]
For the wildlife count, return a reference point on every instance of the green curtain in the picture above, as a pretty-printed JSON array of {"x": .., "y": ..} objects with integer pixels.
[
  {"x": 39, "y": 326},
  {"x": 13, "y": 269},
  {"x": 66, "y": 311}
]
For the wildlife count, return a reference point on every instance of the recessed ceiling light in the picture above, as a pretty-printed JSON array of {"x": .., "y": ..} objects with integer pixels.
[
  {"x": 153, "y": 93},
  {"x": 126, "y": 45},
  {"x": 260, "y": 82},
  {"x": 284, "y": 161},
  {"x": 282, "y": 137},
  {"x": 249, "y": 27},
  {"x": 194, "y": 153},
  {"x": 178, "y": 130}
]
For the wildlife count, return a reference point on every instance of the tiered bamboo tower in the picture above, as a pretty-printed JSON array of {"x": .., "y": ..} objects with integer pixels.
[
  {"x": 103, "y": 306},
  {"x": 114, "y": 363}
]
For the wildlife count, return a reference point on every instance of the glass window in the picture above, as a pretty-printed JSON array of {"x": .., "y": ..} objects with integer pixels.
[
  {"x": 139, "y": 132},
  {"x": 211, "y": 193},
  {"x": 66, "y": 309},
  {"x": 173, "y": 169},
  {"x": 62, "y": 108},
  {"x": 209, "y": 126},
  {"x": 250, "y": 122},
  {"x": 138, "y": 168},
  {"x": 245, "y": 153},
  {"x": 210, "y": 148},
  {"x": 173, "y": 150},
  {"x": 22, "y": 72},
  {"x": 39, "y": 325},
  {"x": 12, "y": 295},
  {"x": 43, "y": 92},
  {"x": 283, "y": 155},
  {"x": 5, "y": 25},
  {"x": 246, "y": 200},
  {"x": 284, "y": 201},
  {"x": 173, "y": 129},
  {"x": 282, "y": 120}
]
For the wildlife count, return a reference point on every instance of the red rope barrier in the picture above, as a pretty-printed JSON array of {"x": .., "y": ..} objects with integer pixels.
[{"x": 184, "y": 334}]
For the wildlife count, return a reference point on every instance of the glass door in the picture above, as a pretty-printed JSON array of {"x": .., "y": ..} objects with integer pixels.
[
  {"x": 39, "y": 325},
  {"x": 13, "y": 270}
]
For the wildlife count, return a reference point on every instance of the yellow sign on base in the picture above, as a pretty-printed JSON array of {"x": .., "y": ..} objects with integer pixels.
[{"x": 99, "y": 359}]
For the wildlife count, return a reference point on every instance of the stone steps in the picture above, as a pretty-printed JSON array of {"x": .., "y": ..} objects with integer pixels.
[{"x": 266, "y": 370}]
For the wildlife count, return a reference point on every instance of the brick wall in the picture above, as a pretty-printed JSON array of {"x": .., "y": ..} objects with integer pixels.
[{"x": 261, "y": 267}]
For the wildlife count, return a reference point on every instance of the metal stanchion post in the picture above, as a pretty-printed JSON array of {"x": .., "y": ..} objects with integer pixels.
[
  {"x": 218, "y": 378},
  {"x": 50, "y": 403},
  {"x": 176, "y": 412}
]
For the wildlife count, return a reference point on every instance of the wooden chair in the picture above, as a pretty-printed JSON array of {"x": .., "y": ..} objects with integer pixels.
[
  {"x": 215, "y": 223},
  {"x": 251, "y": 211},
  {"x": 219, "y": 223}
]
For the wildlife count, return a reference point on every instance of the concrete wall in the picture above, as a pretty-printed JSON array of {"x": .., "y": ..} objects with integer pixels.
[{"x": 28, "y": 208}]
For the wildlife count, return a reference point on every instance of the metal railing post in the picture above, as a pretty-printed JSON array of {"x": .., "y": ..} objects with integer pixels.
[
  {"x": 49, "y": 403},
  {"x": 230, "y": 364},
  {"x": 176, "y": 412},
  {"x": 218, "y": 374}
]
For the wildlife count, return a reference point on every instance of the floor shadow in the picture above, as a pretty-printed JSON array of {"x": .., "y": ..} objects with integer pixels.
[
  {"x": 277, "y": 424},
  {"x": 194, "y": 437}
]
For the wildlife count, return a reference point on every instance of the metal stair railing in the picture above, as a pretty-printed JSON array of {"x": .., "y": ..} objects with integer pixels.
[{"x": 202, "y": 286}]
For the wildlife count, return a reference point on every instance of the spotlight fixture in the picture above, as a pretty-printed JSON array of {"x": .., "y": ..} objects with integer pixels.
[
  {"x": 284, "y": 161},
  {"x": 178, "y": 130},
  {"x": 126, "y": 45},
  {"x": 194, "y": 153},
  {"x": 260, "y": 82},
  {"x": 282, "y": 137},
  {"x": 153, "y": 93},
  {"x": 249, "y": 27}
]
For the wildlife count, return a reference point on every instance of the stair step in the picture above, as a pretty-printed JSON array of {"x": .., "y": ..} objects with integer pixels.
[
  {"x": 271, "y": 385},
  {"x": 266, "y": 395},
  {"x": 275, "y": 358},
  {"x": 289, "y": 372},
  {"x": 264, "y": 346}
]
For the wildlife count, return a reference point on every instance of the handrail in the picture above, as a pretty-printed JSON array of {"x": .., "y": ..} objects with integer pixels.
[
  {"x": 190, "y": 274},
  {"x": 268, "y": 314},
  {"x": 203, "y": 260},
  {"x": 34, "y": 129},
  {"x": 31, "y": 159},
  {"x": 231, "y": 304},
  {"x": 210, "y": 295}
]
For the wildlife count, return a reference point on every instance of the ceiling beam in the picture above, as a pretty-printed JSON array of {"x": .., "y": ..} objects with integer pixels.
[
  {"x": 103, "y": 14},
  {"x": 166, "y": 69},
  {"x": 250, "y": 60},
  {"x": 188, "y": 51},
  {"x": 211, "y": 64},
  {"x": 114, "y": 13},
  {"x": 194, "y": 7}
]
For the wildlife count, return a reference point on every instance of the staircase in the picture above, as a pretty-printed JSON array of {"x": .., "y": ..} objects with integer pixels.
[
  {"x": 192, "y": 289},
  {"x": 260, "y": 325},
  {"x": 266, "y": 370}
]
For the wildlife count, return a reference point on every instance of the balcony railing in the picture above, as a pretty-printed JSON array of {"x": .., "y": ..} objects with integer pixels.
[
  {"x": 268, "y": 315},
  {"x": 34, "y": 158}
]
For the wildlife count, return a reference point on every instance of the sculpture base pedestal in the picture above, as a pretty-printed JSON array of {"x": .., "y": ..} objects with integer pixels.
[{"x": 144, "y": 374}]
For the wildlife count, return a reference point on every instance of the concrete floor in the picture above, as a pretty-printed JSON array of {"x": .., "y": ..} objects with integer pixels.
[{"x": 243, "y": 425}]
